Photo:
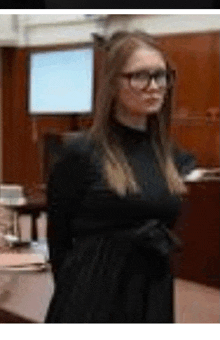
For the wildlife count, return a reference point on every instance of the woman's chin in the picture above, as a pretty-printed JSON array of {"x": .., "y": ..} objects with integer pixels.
[{"x": 153, "y": 109}]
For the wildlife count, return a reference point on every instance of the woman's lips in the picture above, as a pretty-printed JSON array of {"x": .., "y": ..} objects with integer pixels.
[{"x": 152, "y": 100}]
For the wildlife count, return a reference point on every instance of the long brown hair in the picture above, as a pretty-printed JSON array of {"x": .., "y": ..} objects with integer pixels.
[{"x": 117, "y": 172}]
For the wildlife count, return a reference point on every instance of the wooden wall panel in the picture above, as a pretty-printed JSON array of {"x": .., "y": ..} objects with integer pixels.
[
  {"x": 99, "y": 65},
  {"x": 8, "y": 56},
  {"x": 22, "y": 133},
  {"x": 201, "y": 138},
  {"x": 195, "y": 123},
  {"x": 198, "y": 228},
  {"x": 37, "y": 127},
  {"x": 196, "y": 58}
]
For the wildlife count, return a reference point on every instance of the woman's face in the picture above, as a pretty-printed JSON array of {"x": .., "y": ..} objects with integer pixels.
[{"x": 136, "y": 93}]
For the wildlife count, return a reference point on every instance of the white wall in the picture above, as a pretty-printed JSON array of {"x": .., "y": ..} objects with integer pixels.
[
  {"x": 165, "y": 24},
  {"x": 8, "y": 29},
  {"x": 49, "y": 29},
  {"x": 53, "y": 29}
]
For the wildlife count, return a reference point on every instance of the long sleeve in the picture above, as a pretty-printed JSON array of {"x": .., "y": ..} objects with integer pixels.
[{"x": 63, "y": 194}]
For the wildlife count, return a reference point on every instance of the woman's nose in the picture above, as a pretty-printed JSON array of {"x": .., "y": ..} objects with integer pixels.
[{"x": 153, "y": 85}]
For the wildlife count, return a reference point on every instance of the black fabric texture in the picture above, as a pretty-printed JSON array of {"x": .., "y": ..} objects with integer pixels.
[{"x": 110, "y": 255}]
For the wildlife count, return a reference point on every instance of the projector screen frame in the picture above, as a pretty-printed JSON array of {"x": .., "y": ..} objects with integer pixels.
[{"x": 58, "y": 48}]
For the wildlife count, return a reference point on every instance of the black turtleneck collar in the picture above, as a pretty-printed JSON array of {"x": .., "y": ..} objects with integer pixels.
[{"x": 128, "y": 132}]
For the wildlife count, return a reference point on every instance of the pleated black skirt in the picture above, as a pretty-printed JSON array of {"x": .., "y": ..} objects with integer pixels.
[{"x": 105, "y": 280}]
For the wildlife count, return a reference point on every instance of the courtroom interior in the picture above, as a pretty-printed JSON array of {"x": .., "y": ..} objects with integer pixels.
[{"x": 35, "y": 126}]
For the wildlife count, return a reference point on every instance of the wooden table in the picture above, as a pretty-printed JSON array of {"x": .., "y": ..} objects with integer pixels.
[
  {"x": 198, "y": 227},
  {"x": 25, "y": 296}
]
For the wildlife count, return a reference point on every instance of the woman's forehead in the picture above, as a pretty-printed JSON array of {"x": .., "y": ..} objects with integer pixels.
[{"x": 144, "y": 58}]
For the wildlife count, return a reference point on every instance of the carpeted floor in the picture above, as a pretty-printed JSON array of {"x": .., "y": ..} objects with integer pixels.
[{"x": 193, "y": 303}]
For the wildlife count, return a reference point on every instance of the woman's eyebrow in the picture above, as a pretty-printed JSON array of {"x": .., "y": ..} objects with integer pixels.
[{"x": 147, "y": 70}]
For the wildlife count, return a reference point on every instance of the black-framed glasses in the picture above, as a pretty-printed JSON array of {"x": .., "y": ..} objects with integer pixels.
[{"x": 140, "y": 80}]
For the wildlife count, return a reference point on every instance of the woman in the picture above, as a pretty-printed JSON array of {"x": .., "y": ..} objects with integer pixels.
[{"x": 114, "y": 196}]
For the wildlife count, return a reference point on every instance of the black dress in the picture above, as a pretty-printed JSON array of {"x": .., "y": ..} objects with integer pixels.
[{"x": 110, "y": 262}]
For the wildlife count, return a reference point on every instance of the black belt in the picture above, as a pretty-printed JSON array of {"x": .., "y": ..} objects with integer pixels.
[
  {"x": 149, "y": 234},
  {"x": 154, "y": 234}
]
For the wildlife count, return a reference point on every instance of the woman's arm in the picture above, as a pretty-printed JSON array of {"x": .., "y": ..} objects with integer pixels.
[{"x": 63, "y": 194}]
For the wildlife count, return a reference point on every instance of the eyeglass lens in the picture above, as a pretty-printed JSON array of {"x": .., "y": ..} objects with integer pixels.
[{"x": 143, "y": 79}]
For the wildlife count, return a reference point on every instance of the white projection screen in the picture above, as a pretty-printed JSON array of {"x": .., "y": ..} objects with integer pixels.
[{"x": 61, "y": 82}]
